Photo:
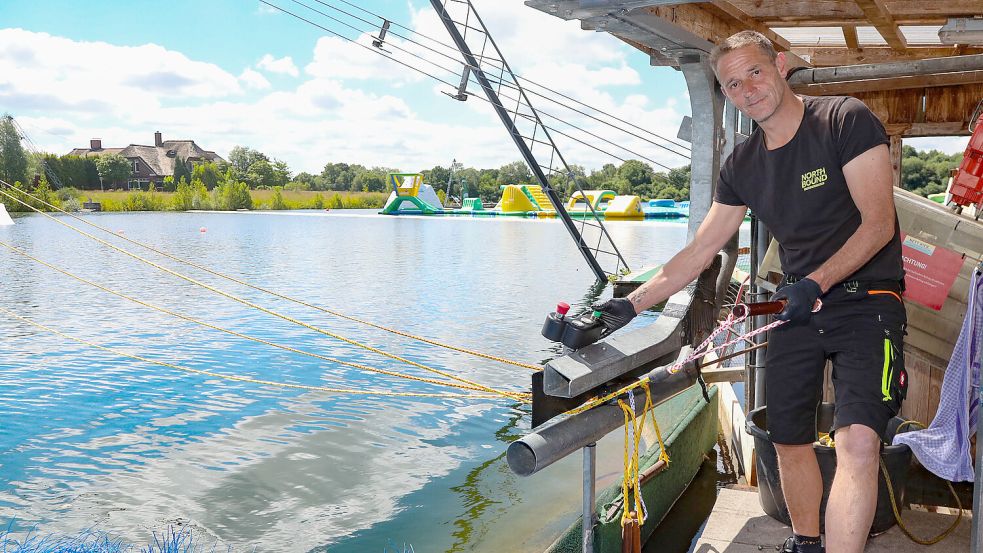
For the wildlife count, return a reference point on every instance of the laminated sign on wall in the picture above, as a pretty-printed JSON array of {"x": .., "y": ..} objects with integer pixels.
[{"x": 930, "y": 271}]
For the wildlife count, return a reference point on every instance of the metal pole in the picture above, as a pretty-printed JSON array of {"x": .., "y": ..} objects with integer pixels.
[
  {"x": 552, "y": 442},
  {"x": 950, "y": 64},
  {"x": 762, "y": 238},
  {"x": 534, "y": 166},
  {"x": 706, "y": 103},
  {"x": 590, "y": 471},
  {"x": 450, "y": 177}
]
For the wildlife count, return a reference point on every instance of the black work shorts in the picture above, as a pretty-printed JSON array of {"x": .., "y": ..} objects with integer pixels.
[{"x": 860, "y": 328}]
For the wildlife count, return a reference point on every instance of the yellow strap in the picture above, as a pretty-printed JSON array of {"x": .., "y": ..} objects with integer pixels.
[
  {"x": 271, "y": 292},
  {"x": 234, "y": 333},
  {"x": 525, "y": 398},
  {"x": 897, "y": 514},
  {"x": 350, "y": 391},
  {"x": 629, "y": 481},
  {"x": 663, "y": 454},
  {"x": 630, "y": 485}
]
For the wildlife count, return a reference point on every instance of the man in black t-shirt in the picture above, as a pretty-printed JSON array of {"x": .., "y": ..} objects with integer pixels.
[{"x": 817, "y": 172}]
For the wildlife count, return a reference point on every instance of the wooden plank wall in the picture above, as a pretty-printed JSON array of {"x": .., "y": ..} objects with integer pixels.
[{"x": 932, "y": 334}]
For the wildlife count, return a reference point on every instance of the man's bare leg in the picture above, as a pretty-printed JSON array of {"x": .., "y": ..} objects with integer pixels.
[
  {"x": 802, "y": 485},
  {"x": 853, "y": 499}
]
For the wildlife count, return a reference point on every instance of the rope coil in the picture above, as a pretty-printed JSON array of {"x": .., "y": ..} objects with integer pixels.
[{"x": 634, "y": 505}]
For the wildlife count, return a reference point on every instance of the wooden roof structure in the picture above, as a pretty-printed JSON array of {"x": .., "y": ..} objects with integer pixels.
[{"x": 912, "y": 97}]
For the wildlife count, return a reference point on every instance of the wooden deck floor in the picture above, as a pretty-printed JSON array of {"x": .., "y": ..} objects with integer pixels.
[{"x": 738, "y": 525}]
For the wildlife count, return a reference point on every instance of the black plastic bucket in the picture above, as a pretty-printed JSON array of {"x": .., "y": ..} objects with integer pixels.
[{"x": 897, "y": 459}]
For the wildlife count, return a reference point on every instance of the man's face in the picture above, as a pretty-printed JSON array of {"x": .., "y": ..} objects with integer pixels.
[{"x": 753, "y": 82}]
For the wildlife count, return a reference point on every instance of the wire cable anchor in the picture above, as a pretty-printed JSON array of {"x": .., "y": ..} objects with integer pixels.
[
  {"x": 462, "y": 89},
  {"x": 381, "y": 39}
]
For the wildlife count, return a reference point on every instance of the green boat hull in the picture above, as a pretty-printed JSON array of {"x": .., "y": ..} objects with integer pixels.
[{"x": 689, "y": 428}]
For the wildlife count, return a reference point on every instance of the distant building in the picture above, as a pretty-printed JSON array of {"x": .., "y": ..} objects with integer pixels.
[{"x": 152, "y": 163}]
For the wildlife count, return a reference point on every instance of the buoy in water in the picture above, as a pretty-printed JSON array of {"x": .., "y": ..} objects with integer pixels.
[{"x": 203, "y": 229}]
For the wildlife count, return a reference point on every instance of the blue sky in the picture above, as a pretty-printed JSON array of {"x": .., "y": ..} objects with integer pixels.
[{"x": 236, "y": 72}]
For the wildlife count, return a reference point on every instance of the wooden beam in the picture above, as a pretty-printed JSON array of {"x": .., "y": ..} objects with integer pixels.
[
  {"x": 891, "y": 83},
  {"x": 749, "y": 22},
  {"x": 717, "y": 21},
  {"x": 829, "y": 57},
  {"x": 746, "y": 21},
  {"x": 722, "y": 374},
  {"x": 835, "y": 13},
  {"x": 850, "y": 36},
  {"x": 915, "y": 130},
  {"x": 895, "y": 149},
  {"x": 861, "y": 21},
  {"x": 881, "y": 18}
]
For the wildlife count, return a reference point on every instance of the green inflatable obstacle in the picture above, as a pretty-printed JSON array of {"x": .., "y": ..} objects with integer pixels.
[{"x": 409, "y": 187}]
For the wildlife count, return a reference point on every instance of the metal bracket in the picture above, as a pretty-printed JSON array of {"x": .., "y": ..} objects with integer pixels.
[
  {"x": 381, "y": 39},
  {"x": 593, "y": 366},
  {"x": 462, "y": 89}
]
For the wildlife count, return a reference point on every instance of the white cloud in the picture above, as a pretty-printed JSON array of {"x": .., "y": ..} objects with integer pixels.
[
  {"x": 336, "y": 58},
  {"x": 349, "y": 104},
  {"x": 54, "y": 75},
  {"x": 945, "y": 144},
  {"x": 254, "y": 79},
  {"x": 284, "y": 65}
]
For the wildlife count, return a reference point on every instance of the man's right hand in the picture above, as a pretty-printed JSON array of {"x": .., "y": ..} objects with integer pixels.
[
  {"x": 615, "y": 313},
  {"x": 800, "y": 300}
]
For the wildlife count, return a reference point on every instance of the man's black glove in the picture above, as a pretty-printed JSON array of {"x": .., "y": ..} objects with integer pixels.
[
  {"x": 801, "y": 298},
  {"x": 615, "y": 313}
]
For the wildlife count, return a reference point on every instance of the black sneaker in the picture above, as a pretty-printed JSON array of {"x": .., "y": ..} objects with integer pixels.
[{"x": 790, "y": 547}]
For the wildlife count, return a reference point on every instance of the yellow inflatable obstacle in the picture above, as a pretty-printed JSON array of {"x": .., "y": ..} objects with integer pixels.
[
  {"x": 514, "y": 200},
  {"x": 597, "y": 198},
  {"x": 525, "y": 199},
  {"x": 625, "y": 207}
]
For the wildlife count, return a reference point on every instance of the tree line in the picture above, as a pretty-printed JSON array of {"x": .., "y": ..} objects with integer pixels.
[
  {"x": 226, "y": 184},
  {"x": 928, "y": 172}
]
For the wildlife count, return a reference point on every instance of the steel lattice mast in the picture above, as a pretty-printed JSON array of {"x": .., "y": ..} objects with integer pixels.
[{"x": 527, "y": 130}]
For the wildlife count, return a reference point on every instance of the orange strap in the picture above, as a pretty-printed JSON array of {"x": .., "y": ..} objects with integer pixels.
[{"x": 890, "y": 292}]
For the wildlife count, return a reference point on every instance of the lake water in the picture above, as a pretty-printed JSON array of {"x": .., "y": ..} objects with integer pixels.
[{"x": 89, "y": 439}]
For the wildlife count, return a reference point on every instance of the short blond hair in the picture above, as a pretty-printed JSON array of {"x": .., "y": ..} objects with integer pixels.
[{"x": 740, "y": 40}]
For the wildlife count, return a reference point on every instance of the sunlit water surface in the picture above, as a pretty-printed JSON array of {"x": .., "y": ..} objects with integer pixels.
[{"x": 89, "y": 439}]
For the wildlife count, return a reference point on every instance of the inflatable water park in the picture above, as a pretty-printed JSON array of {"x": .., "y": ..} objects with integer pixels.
[{"x": 411, "y": 196}]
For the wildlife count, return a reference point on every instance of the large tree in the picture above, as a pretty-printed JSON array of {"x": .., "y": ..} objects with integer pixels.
[
  {"x": 514, "y": 173},
  {"x": 209, "y": 173},
  {"x": 369, "y": 181},
  {"x": 241, "y": 158},
  {"x": 13, "y": 160},
  {"x": 636, "y": 172},
  {"x": 261, "y": 173},
  {"x": 113, "y": 168},
  {"x": 281, "y": 173}
]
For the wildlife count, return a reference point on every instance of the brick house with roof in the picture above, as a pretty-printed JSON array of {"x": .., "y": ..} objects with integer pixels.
[{"x": 152, "y": 163}]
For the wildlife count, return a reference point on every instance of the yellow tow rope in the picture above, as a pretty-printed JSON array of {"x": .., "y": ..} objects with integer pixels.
[
  {"x": 634, "y": 506},
  {"x": 234, "y": 333},
  {"x": 349, "y": 391},
  {"x": 522, "y": 397},
  {"x": 266, "y": 290},
  {"x": 827, "y": 440}
]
